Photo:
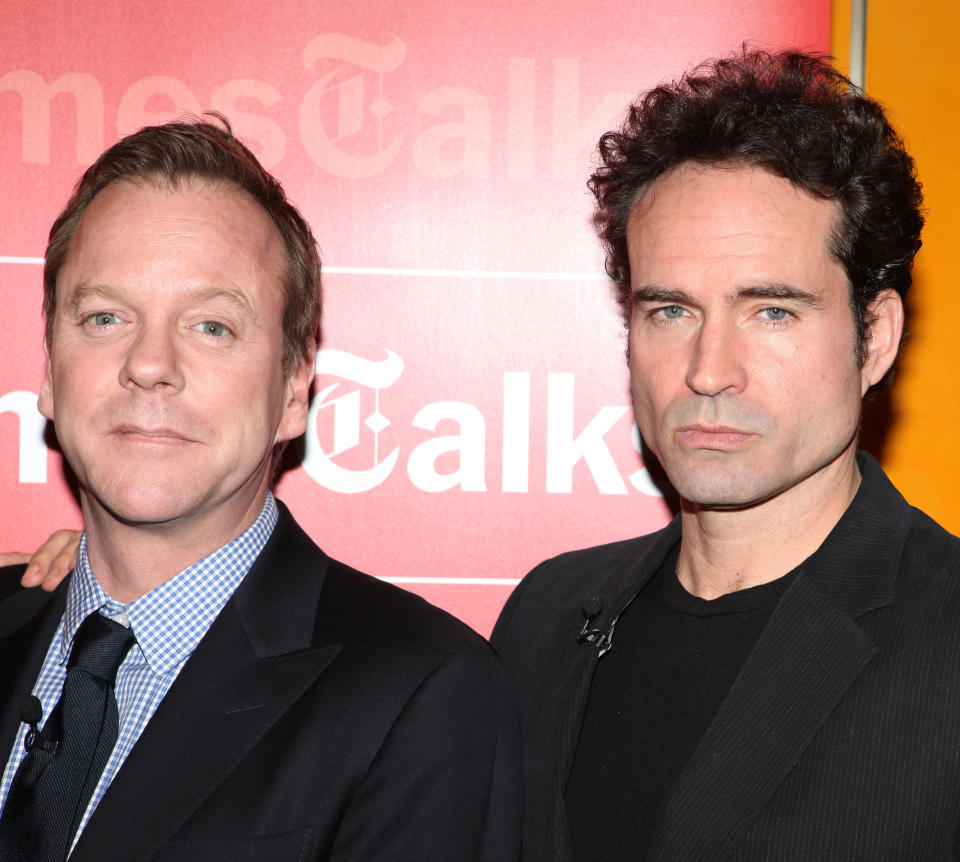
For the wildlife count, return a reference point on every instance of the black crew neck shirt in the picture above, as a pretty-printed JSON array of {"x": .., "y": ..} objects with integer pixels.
[{"x": 652, "y": 697}]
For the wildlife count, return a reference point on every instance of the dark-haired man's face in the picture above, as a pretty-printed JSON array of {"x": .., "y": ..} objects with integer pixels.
[{"x": 742, "y": 340}]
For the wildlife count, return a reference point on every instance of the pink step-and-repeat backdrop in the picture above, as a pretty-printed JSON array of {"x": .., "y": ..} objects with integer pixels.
[{"x": 471, "y": 414}]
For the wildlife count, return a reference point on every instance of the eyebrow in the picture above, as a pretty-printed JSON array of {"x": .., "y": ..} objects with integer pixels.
[
  {"x": 781, "y": 290},
  {"x": 84, "y": 291},
  {"x": 653, "y": 293}
]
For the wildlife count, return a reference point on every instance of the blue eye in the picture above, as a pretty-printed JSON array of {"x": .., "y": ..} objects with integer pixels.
[
  {"x": 103, "y": 318},
  {"x": 214, "y": 328},
  {"x": 776, "y": 313},
  {"x": 672, "y": 312}
]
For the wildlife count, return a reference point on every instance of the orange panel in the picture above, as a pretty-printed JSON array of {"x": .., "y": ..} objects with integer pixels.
[{"x": 911, "y": 69}]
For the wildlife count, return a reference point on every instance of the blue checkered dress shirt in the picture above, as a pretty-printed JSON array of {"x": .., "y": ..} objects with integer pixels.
[{"x": 168, "y": 623}]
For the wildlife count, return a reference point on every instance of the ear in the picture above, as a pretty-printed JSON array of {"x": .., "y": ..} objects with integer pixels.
[
  {"x": 45, "y": 401},
  {"x": 297, "y": 394},
  {"x": 883, "y": 337}
]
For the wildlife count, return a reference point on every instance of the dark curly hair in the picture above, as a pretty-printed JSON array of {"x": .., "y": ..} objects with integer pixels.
[
  {"x": 795, "y": 116},
  {"x": 180, "y": 151}
]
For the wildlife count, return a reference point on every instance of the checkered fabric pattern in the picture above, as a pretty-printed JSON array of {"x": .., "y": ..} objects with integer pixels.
[{"x": 168, "y": 623}]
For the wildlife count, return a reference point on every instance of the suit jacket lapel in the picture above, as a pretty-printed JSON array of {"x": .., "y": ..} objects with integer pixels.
[
  {"x": 804, "y": 662},
  {"x": 566, "y": 710},
  {"x": 28, "y": 619},
  {"x": 256, "y": 660},
  {"x": 810, "y": 653},
  {"x": 563, "y": 717}
]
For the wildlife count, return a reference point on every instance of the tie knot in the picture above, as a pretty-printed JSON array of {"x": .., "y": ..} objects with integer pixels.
[{"x": 99, "y": 646}]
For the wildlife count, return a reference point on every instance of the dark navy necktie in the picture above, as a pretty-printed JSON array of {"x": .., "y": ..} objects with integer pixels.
[{"x": 51, "y": 789}]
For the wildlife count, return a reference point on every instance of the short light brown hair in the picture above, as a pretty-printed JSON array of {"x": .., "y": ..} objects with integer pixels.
[{"x": 185, "y": 150}]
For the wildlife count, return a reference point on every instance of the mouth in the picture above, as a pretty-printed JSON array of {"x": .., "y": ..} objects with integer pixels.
[
  {"x": 158, "y": 436},
  {"x": 718, "y": 437}
]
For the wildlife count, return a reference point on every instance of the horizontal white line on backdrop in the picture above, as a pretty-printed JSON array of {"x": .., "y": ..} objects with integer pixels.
[
  {"x": 465, "y": 273},
  {"x": 486, "y": 582},
  {"x": 421, "y": 273}
]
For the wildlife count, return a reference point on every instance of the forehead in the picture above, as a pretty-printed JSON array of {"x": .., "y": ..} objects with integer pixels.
[
  {"x": 729, "y": 223},
  {"x": 197, "y": 231}
]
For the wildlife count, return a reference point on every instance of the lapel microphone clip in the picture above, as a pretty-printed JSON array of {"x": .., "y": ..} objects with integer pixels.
[
  {"x": 592, "y": 605},
  {"x": 31, "y": 711}
]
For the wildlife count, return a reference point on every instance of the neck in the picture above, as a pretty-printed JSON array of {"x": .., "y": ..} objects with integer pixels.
[
  {"x": 723, "y": 551},
  {"x": 130, "y": 560}
]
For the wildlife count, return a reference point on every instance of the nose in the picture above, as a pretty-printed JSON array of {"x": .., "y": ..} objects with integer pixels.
[
  {"x": 152, "y": 361},
  {"x": 718, "y": 362}
]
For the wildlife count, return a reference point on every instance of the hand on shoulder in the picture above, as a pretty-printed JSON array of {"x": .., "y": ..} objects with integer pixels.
[{"x": 50, "y": 563}]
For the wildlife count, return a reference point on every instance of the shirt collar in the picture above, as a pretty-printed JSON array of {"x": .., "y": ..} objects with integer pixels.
[{"x": 170, "y": 620}]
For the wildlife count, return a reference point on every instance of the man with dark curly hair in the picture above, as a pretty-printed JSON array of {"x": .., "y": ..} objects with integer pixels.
[{"x": 774, "y": 675}]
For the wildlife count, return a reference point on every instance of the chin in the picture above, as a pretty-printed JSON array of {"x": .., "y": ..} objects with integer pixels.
[
  {"x": 723, "y": 489},
  {"x": 143, "y": 505}
]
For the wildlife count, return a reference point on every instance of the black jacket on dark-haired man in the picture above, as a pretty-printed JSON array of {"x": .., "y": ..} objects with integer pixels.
[
  {"x": 775, "y": 675},
  {"x": 839, "y": 739}
]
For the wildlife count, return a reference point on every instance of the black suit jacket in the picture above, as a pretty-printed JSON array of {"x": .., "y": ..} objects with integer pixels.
[
  {"x": 839, "y": 739},
  {"x": 325, "y": 715}
]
